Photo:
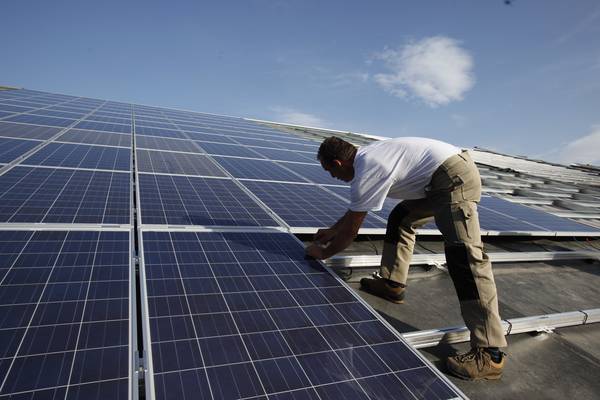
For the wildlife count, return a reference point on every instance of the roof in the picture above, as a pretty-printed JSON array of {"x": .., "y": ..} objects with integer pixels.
[
  {"x": 546, "y": 362},
  {"x": 134, "y": 194}
]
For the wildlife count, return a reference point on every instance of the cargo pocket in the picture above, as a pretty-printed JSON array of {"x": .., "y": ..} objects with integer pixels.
[
  {"x": 458, "y": 223},
  {"x": 465, "y": 217}
]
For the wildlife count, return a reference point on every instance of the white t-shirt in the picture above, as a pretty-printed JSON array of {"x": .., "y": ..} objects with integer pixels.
[{"x": 399, "y": 168}]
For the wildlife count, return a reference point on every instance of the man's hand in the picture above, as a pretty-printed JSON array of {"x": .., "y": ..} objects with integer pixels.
[
  {"x": 314, "y": 251},
  {"x": 324, "y": 236}
]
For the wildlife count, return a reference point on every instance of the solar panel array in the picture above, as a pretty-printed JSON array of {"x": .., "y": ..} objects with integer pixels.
[
  {"x": 230, "y": 307},
  {"x": 66, "y": 286}
]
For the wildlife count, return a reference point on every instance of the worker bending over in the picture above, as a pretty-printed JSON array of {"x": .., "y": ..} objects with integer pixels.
[{"x": 435, "y": 180}]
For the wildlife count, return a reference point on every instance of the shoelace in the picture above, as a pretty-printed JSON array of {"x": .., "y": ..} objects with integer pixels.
[{"x": 474, "y": 354}]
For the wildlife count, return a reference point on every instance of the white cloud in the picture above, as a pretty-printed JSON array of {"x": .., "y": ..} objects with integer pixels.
[
  {"x": 436, "y": 70},
  {"x": 295, "y": 117},
  {"x": 349, "y": 78},
  {"x": 585, "y": 150}
]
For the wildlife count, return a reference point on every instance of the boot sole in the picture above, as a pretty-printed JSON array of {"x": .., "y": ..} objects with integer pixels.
[
  {"x": 388, "y": 298},
  {"x": 468, "y": 378}
]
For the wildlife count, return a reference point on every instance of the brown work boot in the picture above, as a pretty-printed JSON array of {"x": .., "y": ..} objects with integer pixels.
[
  {"x": 476, "y": 364},
  {"x": 384, "y": 288}
]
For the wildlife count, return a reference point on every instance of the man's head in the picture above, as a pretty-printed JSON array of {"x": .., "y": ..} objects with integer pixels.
[{"x": 337, "y": 158}]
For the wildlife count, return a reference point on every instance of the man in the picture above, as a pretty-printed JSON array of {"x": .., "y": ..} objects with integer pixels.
[{"x": 434, "y": 179}]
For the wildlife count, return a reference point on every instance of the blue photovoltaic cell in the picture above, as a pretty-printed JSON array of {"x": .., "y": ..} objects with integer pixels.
[
  {"x": 154, "y": 124},
  {"x": 310, "y": 148},
  {"x": 229, "y": 132},
  {"x": 64, "y": 315},
  {"x": 388, "y": 205},
  {"x": 238, "y": 315},
  {"x": 145, "y": 120},
  {"x": 314, "y": 173},
  {"x": 539, "y": 220},
  {"x": 92, "y": 137},
  {"x": 25, "y": 103},
  {"x": 103, "y": 126},
  {"x": 304, "y": 205},
  {"x": 255, "y": 142},
  {"x": 288, "y": 143},
  {"x": 500, "y": 215},
  {"x": 64, "y": 196},
  {"x": 176, "y": 163},
  {"x": 158, "y": 143},
  {"x": 257, "y": 169},
  {"x": 207, "y": 137},
  {"x": 81, "y": 156},
  {"x": 144, "y": 130},
  {"x": 59, "y": 114},
  {"x": 228, "y": 150},
  {"x": 40, "y": 120},
  {"x": 64, "y": 108},
  {"x": 14, "y": 109},
  {"x": 284, "y": 155},
  {"x": 182, "y": 200},
  {"x": 113, "y": 120},
  {"x": 27, "y": 131},
  {"x": 11, "y": 149}
]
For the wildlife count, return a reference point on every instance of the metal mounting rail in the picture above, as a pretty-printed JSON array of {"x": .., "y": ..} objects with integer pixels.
[
  {"x": 538, "y": 323},
  {"x": 438, "y": 259}
]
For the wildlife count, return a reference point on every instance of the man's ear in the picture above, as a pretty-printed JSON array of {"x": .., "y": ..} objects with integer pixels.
[{"x": 337, "y": 163}]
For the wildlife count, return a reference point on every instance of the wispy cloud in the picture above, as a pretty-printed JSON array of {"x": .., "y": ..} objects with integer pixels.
[
  {"x": 296, "y": 117},
  {"x": 583, "y": 150},
  {"x": 435, "y": 69},
  {"x": 349, "y": 78},
  {"x": 590, "y": 20}
]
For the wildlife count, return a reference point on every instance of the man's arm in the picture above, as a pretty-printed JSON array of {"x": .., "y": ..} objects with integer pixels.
[{"x": 339, "y": 235}]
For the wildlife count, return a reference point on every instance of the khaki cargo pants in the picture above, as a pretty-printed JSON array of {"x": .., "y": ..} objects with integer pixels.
[{"x": 451, "y": 198}]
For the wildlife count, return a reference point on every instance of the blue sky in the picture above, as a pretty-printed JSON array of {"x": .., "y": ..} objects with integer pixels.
[{"x": 521, "y": 78}]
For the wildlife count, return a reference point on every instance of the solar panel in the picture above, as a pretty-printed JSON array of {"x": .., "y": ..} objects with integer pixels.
[
  {"x": 25, "y": 103},
  {"x": 222, "y": 130},
  {"x": 257, "y": 169},
  {"x": 103, "y": 126},
  {"x": 110, "y": 119},
  {"x": 498, "y": 215},
  {"x": 93, "y": 137},
  {"x": 11, "y": 149},
  {"x": 59, "y": 114},
  {"x": 244, "y": 315},
  {"x": 228, "y": 150},
  {"x": 284, "y": 155},
  {"x": 155, "y": 124},
  {"x": 158, "y": 143},
  {"x": 64, "y": 315},
  {"x": 313, "y": 172},
  {"x": 208, "y": 137},
  {"x": 310, "y": 147},
  {"x": 538, "y": 220},
  {"x": 181, "y": 200},
  {"x": 40, "y": 120},
  {"x": 14, "y": 109},
  {"x": 64, "y": 196},
  {"x": 27, "y": 131},
  {"x": 255, "y": 142},
  {"x": 176, "y": 163},
  {"x": 160, "y": 132},
  {"x": 304, "y": 205},
  {"x": 81, "y": 156}
]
